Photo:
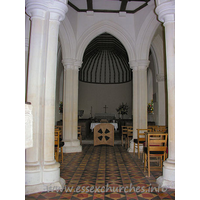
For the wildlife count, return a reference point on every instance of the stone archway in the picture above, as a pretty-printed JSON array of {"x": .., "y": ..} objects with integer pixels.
[{"x": 108, "y": 27}]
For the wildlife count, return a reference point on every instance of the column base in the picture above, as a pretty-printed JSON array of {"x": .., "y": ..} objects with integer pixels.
[
  {"x": 45, "y": 187},
  {"x": 39, "y": 179},
  {"x": 131, "y": 148},
  {"x": 168, "y": 178},
  {"x": 72, "y": 146}
]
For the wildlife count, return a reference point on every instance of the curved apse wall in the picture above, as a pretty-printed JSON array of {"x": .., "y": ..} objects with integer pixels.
[{"x": 105, "y": 61}]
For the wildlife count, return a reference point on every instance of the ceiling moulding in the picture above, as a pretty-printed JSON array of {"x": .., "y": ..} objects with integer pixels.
[{"x": 123, "y": 7}]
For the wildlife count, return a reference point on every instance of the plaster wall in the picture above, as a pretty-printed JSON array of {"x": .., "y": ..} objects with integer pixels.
[
  {"x": 99, "y": 95},
  {"x": 72, "y": 16},
  {"x": 86, "y": 21}
]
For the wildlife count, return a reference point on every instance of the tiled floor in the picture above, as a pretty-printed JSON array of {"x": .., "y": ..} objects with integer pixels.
[{"x": 105, "y": 172}]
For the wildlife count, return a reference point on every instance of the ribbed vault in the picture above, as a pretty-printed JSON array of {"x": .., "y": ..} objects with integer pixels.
[{"x": 105, "y": 61}]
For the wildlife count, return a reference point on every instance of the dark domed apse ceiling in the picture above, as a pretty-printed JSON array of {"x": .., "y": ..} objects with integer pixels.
[{"x": 105, "y": 61}]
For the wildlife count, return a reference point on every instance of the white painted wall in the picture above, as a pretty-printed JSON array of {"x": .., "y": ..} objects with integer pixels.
[{"x": 99, "y": 95}]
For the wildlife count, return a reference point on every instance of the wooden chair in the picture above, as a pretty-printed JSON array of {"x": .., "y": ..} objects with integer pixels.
[
  {"x": 58, "y": 145},
  {"x": 152, "y": 127},
  {"x": 129, "y": 135},
  {"x": 161, "y": 129},
  {"x": 60, "y": 127},
  {"x": 155, "y": 146},
  {"x": 140, "y": 140},
  {"x": 104, "y": 134},
  {"x": 79, "y": 134},
  {"x": 124, "y": 134}
]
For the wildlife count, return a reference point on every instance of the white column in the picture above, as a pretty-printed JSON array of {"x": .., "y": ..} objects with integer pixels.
[
  {"x": 41, "y": 168},
  {"x": 70, "y": 106},
  {"x": 166, "y": 13},
  {"x": 160, "y": 103},
  {"x": 142, "y": 93},
  {"x": 27, "y": 33},
  {"x": 139, "y": 97},
  {"x": 133, "y": 66}
]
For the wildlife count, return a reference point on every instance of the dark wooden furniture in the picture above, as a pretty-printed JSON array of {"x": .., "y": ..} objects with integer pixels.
[
  {"x": 123, "y": 122},
  {"x": 85, "y": 128}
]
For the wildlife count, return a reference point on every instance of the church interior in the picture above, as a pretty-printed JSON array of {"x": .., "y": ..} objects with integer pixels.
[{"x": 97, "y": 72}]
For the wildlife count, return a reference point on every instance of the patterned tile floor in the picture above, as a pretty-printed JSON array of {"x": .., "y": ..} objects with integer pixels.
[{"x": 105, "y": 172}]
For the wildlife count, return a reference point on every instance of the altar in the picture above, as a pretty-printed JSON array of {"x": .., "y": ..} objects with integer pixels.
[
  {"x": 94, "y": 124},
  {"x": 108, "y": 116}
]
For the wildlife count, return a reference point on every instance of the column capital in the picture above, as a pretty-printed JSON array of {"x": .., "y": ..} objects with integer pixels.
[
  {"x": 78, "y": 63},
  {"x": 139, "y": 64},
  {"x": 70, "y": 63},
  {"x": 38, "y": 9},
  {"x": 133, "y": 64},
  {"x": 165, "y": 10}
]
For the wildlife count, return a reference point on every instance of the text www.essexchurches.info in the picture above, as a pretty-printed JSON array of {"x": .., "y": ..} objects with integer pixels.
[{"x": 107, "y": 188}]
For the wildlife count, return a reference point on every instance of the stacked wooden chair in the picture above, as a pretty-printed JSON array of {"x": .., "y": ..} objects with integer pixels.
[
  {"x": 58, "y": 144},
  {"x": 60, "y": 127},
  {"x": 158, "y": 128},
  {"x": 155, "y": 146},
  {"x": 129, "y": 135},
  {"x": 140, "y": 140},
  {"x": 161, "y": 129},
  {"x": 79, "y": 134},
  {"x": 125, "y": 135},
  {"x": 152, "y": 127}
]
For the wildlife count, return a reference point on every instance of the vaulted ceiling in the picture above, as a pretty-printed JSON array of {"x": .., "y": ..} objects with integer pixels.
[
  {"x": 108, "y": 6},
  {"x": 105, "y": 61}
]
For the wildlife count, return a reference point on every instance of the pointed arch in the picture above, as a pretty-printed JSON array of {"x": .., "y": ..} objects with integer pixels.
[
  {"x": 145, "y": 36},
  {"x": 67, "y": 39},
  {"x": 112, "y": 28}
]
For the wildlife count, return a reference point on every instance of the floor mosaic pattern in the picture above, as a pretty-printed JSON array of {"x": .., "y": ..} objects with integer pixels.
[{"x": 105, "y": 172}]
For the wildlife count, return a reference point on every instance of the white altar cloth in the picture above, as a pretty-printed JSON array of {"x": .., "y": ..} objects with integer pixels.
[{"x": 94, "y": 124}]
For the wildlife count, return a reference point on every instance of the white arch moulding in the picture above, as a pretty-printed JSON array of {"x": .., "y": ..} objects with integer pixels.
[
  {"x": 108, "y": 27},
  {"x": 145, "y": 36},
  {"x": 67, "y": 40},
  {"x": 157, "y": 47}
]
